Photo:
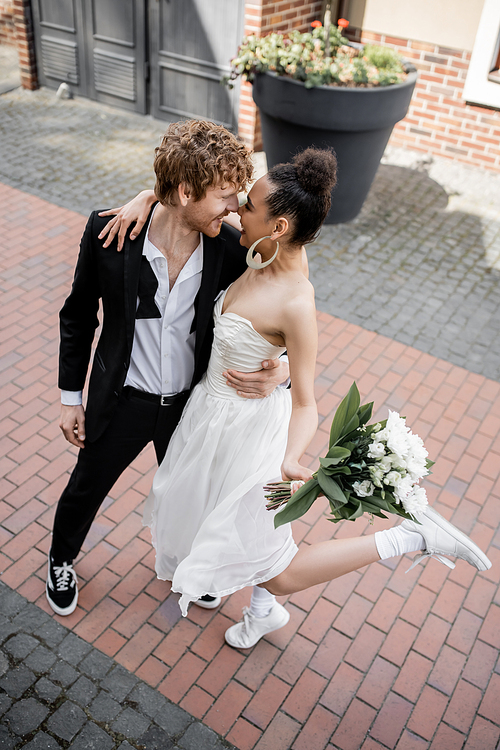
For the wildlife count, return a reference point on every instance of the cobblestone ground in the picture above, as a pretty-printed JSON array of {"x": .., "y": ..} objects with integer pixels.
[
  {"x": 421, "y": 264},
  {"x": 56, "y": 691}
]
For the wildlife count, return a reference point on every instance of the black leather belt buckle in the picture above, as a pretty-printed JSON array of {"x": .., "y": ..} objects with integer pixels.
[{"x": 167, "y": 400}]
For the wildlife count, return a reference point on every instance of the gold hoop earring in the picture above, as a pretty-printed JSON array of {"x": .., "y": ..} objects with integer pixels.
[{"x": 251, "y": 263}]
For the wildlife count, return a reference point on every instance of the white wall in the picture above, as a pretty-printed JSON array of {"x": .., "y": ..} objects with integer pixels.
[{"x": 447, "y": 23}]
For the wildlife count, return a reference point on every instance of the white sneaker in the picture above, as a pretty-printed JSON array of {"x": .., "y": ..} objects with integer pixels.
[
  {"x": 442, "y": 538},
  {"x": 251, "y": 629},
  {"x": 208, "y": 602}
]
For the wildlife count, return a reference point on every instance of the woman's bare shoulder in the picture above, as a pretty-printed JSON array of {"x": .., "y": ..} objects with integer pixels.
[{"x": 299, "y": 300}]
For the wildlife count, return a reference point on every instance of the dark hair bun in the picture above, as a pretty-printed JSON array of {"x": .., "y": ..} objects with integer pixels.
[{"x": 316, "y": 170}]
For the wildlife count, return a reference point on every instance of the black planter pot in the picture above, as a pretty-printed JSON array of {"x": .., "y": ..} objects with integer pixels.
[{"x": 356, "y": 122}]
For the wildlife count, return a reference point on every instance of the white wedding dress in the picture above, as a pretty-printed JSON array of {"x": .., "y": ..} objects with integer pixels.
[{"x": 206, "y": 509}]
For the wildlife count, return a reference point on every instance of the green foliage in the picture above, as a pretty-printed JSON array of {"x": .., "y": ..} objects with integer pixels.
[
  {"x": 302, "y": 57},
  {"x": 345, "y": 463},
  {"x": 383, "y": 58}
]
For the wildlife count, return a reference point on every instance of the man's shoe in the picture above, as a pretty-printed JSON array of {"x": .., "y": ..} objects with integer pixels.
[
  {"x": 208, "y": 602},
  {"x": 251, "y": 629},
  {"x": 62, "y": 587},
  {"x": 442, "y": 538}
]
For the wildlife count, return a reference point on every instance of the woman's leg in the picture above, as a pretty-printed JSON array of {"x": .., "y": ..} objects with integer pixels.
[
  {"x": 321, "y": 562},
  {"x": 262, "y": 602},
  {"x": 433, "y": 535}
]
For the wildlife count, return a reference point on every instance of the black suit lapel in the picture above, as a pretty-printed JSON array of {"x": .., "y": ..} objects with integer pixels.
[
  {"x": 213, "y": 256},
  {"x": 132, "y": 268}
]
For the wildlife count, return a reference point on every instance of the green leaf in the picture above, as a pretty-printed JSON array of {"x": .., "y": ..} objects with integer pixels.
[
  {"x": 335, "y": 455},
  {"x": 365, "y": 413},
  {"x": 331, "y": 489},
  {"x": 357, "y": 513},
  {"x": 346, "y": 410},
  {"x": 351, "y": 427},
  {"x": 297, "y": 506}
]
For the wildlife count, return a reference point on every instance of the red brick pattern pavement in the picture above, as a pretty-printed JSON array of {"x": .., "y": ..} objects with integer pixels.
[{"x": 377, "y": 659}]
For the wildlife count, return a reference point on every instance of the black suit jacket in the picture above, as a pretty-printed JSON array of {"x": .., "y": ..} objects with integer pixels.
[{"x": 104, "y": 274}]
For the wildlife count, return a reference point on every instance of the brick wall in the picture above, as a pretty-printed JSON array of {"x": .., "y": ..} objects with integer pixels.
[
  {"x": 263, "y": 17},
  {"x": 16, "y": 28},
  {"x": 7, "y": 28},
  {"x": 25, "y": 43},
  {"x": 439, "y": 120}
]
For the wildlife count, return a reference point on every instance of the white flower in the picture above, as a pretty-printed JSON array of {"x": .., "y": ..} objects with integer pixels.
[
  {"x": 385, "y": 463},
  {"x": 376, "y": 450},
  {"x": 397, "y": 434},
  {"x": 363, "y": 489},
  {"x": 393, "y": 478},
  {"x": 398, "y": 463},
  {"x": 416, "y": 501},
  {"x": 403, "y": 489},
  {"x": 376, "y": 474},
  {"x": 416, "y": 461}
]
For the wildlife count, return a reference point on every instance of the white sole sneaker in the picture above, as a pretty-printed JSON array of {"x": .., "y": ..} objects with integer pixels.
[
  {"x": 251, "y": 629},
  {"x": 442, "y": 538},
  {"x": 210, "y": 604},
  {"x": 61, "y": 588}
]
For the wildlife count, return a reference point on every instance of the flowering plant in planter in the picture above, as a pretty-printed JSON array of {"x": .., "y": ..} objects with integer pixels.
[{"x": 318, "y": 58}]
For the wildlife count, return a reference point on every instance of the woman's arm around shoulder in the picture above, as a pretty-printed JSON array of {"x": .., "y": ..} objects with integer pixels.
[{"x": 137, "y": 210}]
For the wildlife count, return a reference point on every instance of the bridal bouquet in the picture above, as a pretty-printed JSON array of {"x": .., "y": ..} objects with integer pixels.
[{"x": 368, "y": 469}]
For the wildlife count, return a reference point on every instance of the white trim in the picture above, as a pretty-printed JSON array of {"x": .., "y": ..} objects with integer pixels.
[{"x": 477, "y": 88}]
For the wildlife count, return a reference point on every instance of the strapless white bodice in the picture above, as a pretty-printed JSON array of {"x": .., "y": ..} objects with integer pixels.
[{"x": 237, "y": 346}]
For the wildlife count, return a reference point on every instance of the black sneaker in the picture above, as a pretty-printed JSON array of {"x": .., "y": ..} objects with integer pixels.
[{"x": 62, "y": 587}]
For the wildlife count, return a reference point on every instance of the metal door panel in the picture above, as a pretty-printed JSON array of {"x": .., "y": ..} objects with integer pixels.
[
  {"x": 116, "y": 52},
  {"x": 59, "y": 43},
  {"x": 191, "y": 43}
]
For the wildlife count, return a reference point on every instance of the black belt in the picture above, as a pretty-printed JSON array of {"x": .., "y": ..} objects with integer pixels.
[{"x": 172, "y": 400}]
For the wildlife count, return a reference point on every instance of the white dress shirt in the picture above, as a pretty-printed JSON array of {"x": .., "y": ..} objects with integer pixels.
[{"x": 162, "y": 358}]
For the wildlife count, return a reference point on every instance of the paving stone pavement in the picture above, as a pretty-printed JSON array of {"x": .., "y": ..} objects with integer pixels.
[
  {"x": 420, "y": 264},
  {"x": 56, "y": 691}
]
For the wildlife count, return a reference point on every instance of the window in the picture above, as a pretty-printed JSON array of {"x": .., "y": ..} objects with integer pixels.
[{"x": 482, "y": 85}]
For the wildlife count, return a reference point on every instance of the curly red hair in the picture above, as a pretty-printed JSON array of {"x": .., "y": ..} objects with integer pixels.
[{"x": 201, "y": 155}]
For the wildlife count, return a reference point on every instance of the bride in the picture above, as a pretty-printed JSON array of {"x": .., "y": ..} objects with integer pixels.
[{"x": 206, "y": 509}]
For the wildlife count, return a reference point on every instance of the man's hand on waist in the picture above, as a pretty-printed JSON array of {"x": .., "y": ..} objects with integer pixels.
[{"x": 275, "y": 372}]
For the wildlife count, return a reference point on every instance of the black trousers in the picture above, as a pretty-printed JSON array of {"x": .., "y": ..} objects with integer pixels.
[{"x": 135, "y": 423}]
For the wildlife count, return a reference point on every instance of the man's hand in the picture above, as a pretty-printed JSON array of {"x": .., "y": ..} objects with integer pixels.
[
  {"x": 261, "y": 383},
  {"x": 72, "y": 423}
]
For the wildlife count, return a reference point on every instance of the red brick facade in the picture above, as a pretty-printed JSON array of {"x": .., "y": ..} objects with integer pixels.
[
  {"x": 16, "y": 28},
  {"x": 7, "y": 28},
  {"x": 439, "y": 120}
]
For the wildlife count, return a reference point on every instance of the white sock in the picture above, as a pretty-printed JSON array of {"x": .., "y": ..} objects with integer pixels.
[
  {"x": 261, "y": 602},
  {"x": 398, "y": 541}
]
